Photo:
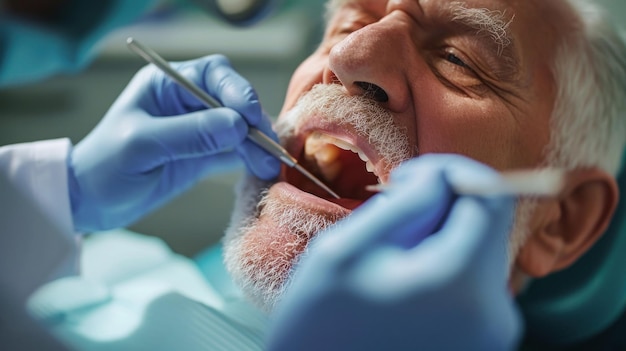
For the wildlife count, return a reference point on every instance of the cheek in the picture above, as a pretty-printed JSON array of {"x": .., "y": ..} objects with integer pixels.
[
  {"x": 309, "y": 73},
  {"x": 485, "y": 131}
]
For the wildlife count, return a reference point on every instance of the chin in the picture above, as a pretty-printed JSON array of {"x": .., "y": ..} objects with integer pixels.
[{"x": 349, "y": 142}]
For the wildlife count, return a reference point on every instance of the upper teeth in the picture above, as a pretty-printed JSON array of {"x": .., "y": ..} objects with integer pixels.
[{"x": 318, "y": 147}]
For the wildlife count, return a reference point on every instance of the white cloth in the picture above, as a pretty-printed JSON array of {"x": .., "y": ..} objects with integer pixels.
[
  {"x": 39, "y": 171},
  {"x": 35, "y": 213},
  {"x": 135, "y": 294},
  {"x": 36, "y": 239}
]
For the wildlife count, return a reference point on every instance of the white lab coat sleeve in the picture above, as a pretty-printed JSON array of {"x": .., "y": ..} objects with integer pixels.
[{"x": 38, "y": 173}]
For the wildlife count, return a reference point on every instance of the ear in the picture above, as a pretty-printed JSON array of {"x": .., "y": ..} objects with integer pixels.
[{"x": 563, "y": 229}]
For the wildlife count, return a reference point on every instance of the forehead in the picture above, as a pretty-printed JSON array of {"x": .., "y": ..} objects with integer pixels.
[
  {"x": 528, "y": 10},
  {"x": 531, "y": 28}
]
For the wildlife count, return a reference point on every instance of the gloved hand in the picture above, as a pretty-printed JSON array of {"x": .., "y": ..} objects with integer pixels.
[
  {"x": 415, "y": 268},
  {"x": 157, "y": 140}
]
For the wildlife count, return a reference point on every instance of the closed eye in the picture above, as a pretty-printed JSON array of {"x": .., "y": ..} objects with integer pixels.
[
  {"x": 454, "y": 71},
  {"x": 456, "y": 60}
]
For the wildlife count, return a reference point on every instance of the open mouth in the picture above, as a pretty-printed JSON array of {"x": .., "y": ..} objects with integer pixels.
[{"x": 341, "y": 165}]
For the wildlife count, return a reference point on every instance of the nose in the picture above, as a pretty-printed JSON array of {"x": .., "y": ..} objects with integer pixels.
[{"x": 373, "y": 62}]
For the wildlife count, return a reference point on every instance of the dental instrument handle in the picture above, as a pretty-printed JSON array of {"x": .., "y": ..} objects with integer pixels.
[
  {"x": 254, "y": 134},
  {"x": 151, "y": 56},
  {"x": 533, "y": 182}
]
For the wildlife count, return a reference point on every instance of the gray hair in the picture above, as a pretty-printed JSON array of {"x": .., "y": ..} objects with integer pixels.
[
  {"x": 588, "y": 123},
  {"x": 589, "y": 118}
]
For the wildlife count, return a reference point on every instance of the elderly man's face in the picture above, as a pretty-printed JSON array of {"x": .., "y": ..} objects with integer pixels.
[{"x": 393, "y": 80}]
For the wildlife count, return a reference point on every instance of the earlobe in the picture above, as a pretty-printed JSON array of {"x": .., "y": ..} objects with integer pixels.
[
  {"x": 588, "y": 204},
  {"x": 563, "y": 229},
  {"x": 538, "y": 255}
]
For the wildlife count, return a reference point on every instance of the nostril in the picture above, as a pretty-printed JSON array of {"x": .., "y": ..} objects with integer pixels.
[{"x": 373, "y": 91}]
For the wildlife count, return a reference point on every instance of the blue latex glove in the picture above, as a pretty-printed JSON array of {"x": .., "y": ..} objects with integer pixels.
[
  {"x": 157, "y": 140},
  {"x": 415, "y": 268}
]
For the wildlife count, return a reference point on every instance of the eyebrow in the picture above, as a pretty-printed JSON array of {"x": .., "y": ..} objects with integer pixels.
[
  {"x": 493, "y": 25},
  {"x": 491, "y": 22},
  {"x": 487, "y": 23},
  {"x": 483, "y": 20}
]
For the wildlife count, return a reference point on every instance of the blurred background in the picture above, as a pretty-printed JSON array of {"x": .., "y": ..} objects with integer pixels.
[
  {"x": 266, "y": 54},
  {"x": 71, "y": 105}
]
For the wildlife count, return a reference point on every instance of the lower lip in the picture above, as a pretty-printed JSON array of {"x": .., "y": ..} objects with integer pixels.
[{"x": 289, "y": 193}]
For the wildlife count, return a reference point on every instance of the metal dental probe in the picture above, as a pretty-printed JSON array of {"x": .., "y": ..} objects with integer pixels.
[{"x": 254, "y": 134}]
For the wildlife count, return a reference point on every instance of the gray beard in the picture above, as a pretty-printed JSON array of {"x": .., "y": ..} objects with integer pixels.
[{"x": 263, "y": 268}]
